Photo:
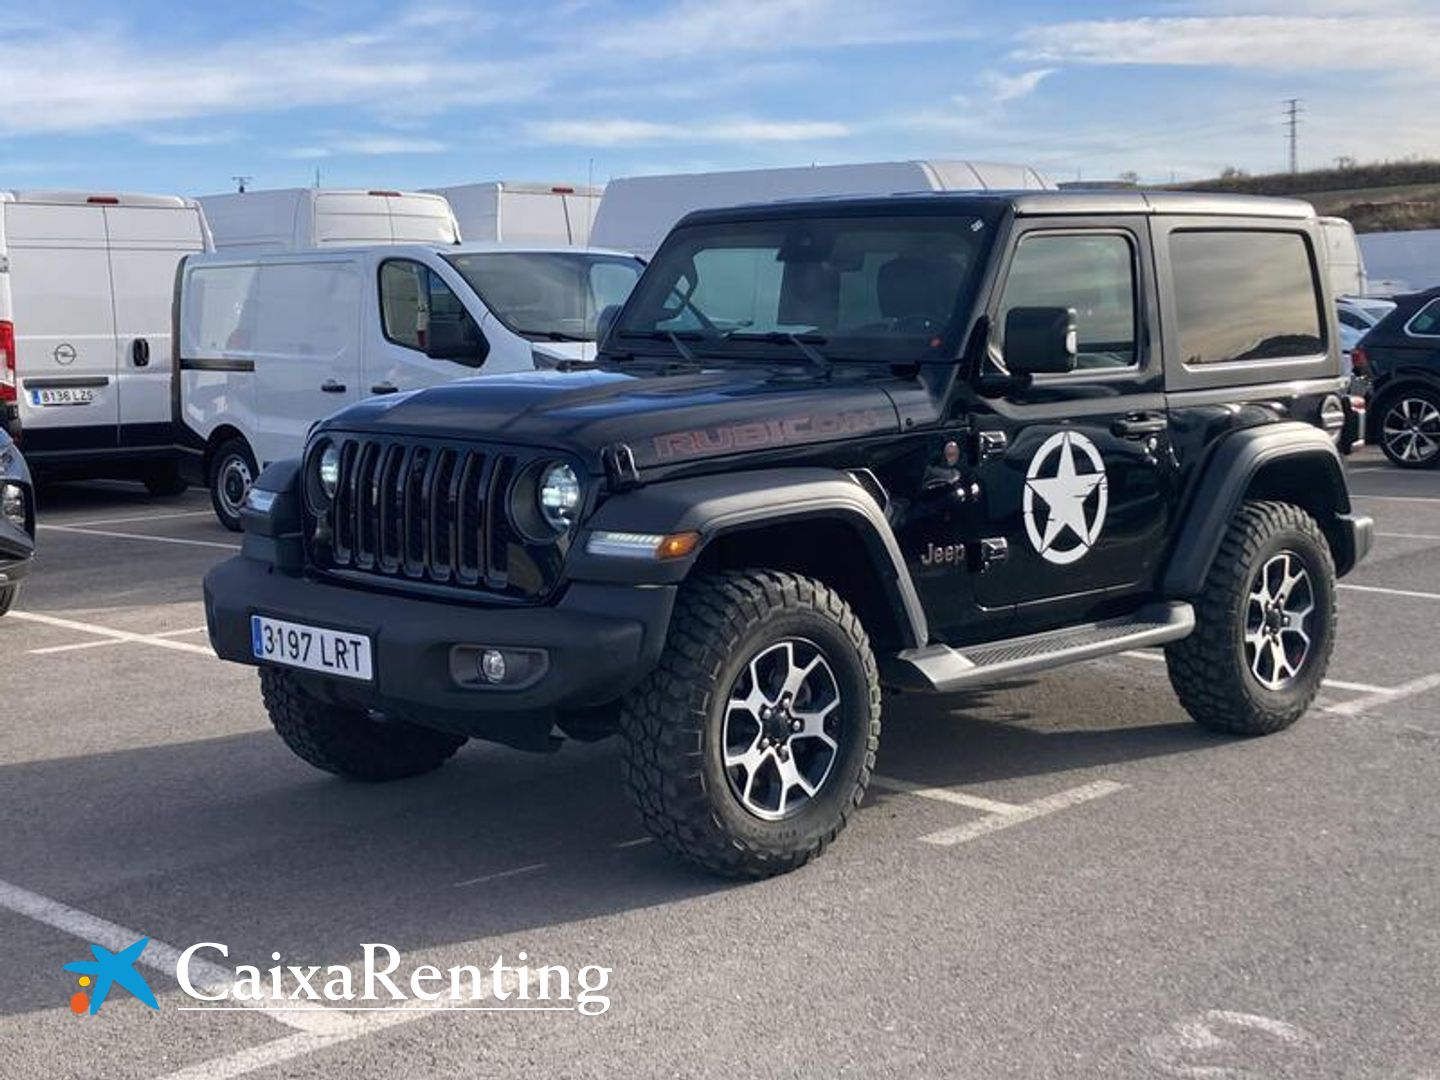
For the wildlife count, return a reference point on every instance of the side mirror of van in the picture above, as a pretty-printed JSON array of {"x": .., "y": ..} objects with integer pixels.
[
  {"x": 605, "y": 322},
  {"x": 457, "y": 339},
  {"x": 1040, "y": 340}
]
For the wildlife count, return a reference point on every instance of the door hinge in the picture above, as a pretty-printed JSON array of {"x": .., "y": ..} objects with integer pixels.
[
  {"x": 992, "y": 444},
  {"x": 994, "y": 551}
]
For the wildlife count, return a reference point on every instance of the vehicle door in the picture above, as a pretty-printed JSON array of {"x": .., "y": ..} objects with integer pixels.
[
  {"x": 146, "y": 244},
  {"x": 1074, "y": 505},
  {"x": 64, "y": 327},
  {"x": 305, "y": 328},
  {"x": 417, "y": 309}
]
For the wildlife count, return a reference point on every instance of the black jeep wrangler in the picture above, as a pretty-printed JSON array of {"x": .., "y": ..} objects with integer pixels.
[{"x": 923, "y": 442}]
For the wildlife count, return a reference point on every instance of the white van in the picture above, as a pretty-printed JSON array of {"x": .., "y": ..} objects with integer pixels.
[
  {"x": 510, "y": 212},
  {"x": 637, "y": 211},
  {"x": 1343, "y": 260},
  {"x": 297, "y": 219},
  {"x": 86, "y": 283},
  {"x": 268, "y": 344}
]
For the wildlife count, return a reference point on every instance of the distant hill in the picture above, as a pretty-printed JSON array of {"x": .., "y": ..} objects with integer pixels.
[{"x": 1383, "y": 197}]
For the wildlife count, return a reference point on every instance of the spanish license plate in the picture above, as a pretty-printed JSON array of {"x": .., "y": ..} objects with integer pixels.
[
  {"x": 63, "y": 395},
  {"x": 313, "y": 648}
]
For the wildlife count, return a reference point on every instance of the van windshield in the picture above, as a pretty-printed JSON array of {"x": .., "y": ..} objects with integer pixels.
[
  {"x": 885, "y": 286},
  {"x": 549, "y": 296}
]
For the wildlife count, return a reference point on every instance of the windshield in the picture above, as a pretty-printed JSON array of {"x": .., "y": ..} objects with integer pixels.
[
  {"x": 549, "y": 296},
  {"x": 877, "y": 287}
]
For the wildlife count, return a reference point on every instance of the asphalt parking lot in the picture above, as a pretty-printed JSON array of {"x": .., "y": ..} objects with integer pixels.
[{"x": 1060, "y": 877}]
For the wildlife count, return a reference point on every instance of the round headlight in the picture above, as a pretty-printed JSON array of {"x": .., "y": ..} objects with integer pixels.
[
  {"x": 12, "y": 505},
  {"x": 329, "y": 470},
  {"x": 559, "y": 496}
]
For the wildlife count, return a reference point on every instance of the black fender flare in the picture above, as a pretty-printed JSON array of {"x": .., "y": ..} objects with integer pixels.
[
  {"x": 730, "y": 502},
  {"x": 1230, "y": 472}
]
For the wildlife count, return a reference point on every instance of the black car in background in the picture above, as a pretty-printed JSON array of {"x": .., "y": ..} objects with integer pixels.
[
  {"x": 17, "y": 521},
  {"x": 1400, "y": 358}
]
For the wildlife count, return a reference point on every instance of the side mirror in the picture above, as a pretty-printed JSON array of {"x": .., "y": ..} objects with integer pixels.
[
  {"x": 1040, "y": 340},
  {"x": 605, "y": 322},
  {"x": 454, "y": 339}
]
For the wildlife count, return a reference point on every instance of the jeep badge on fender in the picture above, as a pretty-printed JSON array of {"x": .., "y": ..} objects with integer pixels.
[{"x": 1028, "y": 400}]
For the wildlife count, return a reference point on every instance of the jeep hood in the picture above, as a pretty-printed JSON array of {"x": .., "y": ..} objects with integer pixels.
[{"x": 663, "y": 419}]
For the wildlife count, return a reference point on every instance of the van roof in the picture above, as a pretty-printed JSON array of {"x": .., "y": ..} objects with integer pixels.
[
  {"x": 96, "y": 198},
  {"x": 1034, "y": 203},
  {"x": 401, "y": 250},
  {"x": 526, "y": 187}
]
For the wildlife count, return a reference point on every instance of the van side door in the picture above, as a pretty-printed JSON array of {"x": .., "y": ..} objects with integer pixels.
[
  {"x": 413, "y": 311},
  {"x": 1073, "y": 468},
  {"x": 64, "y": 328},
  {"x": 146, "y": 244}
]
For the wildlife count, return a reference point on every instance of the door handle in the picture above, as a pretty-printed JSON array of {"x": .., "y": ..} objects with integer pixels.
[
  {"x": 384, "y": 388},
  {"x": 1139, "y": 426},
  {"x": 330, "y": 386},
  {"x": 140, "y": 352}
]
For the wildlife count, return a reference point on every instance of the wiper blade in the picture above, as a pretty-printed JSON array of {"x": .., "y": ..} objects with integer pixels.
[
  {"x": 804, "y": 342},
  {"x": 559, "y": 335},
  {"x": 675, "y": 337}
]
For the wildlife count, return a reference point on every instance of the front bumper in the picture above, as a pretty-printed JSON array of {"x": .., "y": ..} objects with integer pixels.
[{"x": 600, "y": 641}]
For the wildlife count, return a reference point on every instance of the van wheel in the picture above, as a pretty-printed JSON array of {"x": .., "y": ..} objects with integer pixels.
[
  {"x": 349, "y": 742},
  {"x": 1265, "y": 625},
  {"x": 7, "y": 597},
  {"x": 165, "y": 481},
  {"x": 750, "y": 745},
  {"x": 232, "y": 471}
]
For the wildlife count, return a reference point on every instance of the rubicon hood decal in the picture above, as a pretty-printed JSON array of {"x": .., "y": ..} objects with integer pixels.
[{"x": 758, "y": 434}]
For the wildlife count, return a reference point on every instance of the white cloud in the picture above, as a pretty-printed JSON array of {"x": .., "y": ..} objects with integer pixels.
[
  {"x": 377, "y": 145},
  {"x": 188, "y": 139},
  {"x": 112, "y": 80},
  {"x": 1002, "y": 87},
  {"x": 720, "y": 27},
  {"x": 623, "y": 132},
  {"x": 1258, "y": 42}
]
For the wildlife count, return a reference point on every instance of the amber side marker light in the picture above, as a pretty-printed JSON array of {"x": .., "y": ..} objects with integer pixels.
[{"x": 628, "y": 545}]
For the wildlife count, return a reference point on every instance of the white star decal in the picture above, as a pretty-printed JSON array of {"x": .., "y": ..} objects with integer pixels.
[{"x": 1066, "y": 495}]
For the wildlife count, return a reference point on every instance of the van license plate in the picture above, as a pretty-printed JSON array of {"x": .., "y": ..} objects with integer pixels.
[
  {"x": 330, "y": 652},
  {"x": 64, "y": 395}
]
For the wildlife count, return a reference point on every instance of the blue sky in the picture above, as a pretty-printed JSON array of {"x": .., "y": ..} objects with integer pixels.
[{"x": 152, "y": 95}]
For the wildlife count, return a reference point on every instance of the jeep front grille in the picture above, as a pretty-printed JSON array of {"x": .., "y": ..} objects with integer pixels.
[{"x": 426, "y": 514}]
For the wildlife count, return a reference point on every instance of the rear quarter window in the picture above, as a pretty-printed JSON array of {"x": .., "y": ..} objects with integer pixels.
[
  {"x": 1243, "y": 296},
  {"x": 1426, "y": 321}
]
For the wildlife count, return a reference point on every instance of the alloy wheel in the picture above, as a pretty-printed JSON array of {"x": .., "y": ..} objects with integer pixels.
[
  {"x": 1412, "y": 430},
  {"x": 1277, "y": 621}
]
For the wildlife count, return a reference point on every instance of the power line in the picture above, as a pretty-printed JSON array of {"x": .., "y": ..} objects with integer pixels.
[{"x": 1292, "y": 124}]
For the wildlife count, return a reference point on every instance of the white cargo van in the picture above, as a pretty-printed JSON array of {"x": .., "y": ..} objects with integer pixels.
[
  {"x": 86, "y": 283},
  {"x": 268, "y": 344},
  {"x": 637, "y": 211},
  {"x": 510, "y": 212},
  {"x": 1343, "y": 260},
  {"x": 297, "y": 219}
]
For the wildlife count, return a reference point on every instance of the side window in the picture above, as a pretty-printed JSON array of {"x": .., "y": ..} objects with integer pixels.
[
  {"x": 404, "y": 302},
  {"x": 1350, "y": 319},
  {"x": 1094, "y": 275},
  {"x": 1426, "y": 322},
  {"x": 1245, "y": 296}
]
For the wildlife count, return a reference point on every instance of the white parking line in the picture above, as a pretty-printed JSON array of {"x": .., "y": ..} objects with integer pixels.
[
  {"x": 158, "y": 955},
  {"x": 1333, "y": 684},
  {"x": 140, "y": 536},
  {"x": 530, "y": 869},
  {"x": 1398, "y": 498},
  {"x": 1407, "y": 536},
  {"x": 1363, "y": 705},
  {"x": 114, "y": 635},
  {"x": 135, "y": 517},
  {"x": 50, "y": 649},
  {"x": 945, "y": 795},
  {"x": 1411, "y": 593},
  {"x": 1027, "y": 812}
]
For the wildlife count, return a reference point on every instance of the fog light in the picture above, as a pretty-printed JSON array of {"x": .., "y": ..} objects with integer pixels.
[{"x": 492, "y": 665}]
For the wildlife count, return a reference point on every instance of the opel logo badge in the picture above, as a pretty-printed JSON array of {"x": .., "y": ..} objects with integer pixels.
[{"x": 64, "y": 354}]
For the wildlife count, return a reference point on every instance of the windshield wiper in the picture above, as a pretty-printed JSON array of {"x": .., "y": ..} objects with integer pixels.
[
  {"x": 676, "y": 338},
  {"x": 558, "y": 335},
  {"x": 804, "y": 342}
]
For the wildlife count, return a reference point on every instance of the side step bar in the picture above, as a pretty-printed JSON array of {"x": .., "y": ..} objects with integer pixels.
[{"x": 940, "y": 668}]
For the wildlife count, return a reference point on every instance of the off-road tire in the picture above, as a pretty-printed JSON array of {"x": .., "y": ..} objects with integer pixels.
[
  {"x": 232, "y": 450},
  {"x": 347, "y": 741},
  {"x": 671, "y": 724},
  {"x": 165, "y": 481},
  {"x": 1209, "y": 669},
  {"x": 7, "y": 597}
]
